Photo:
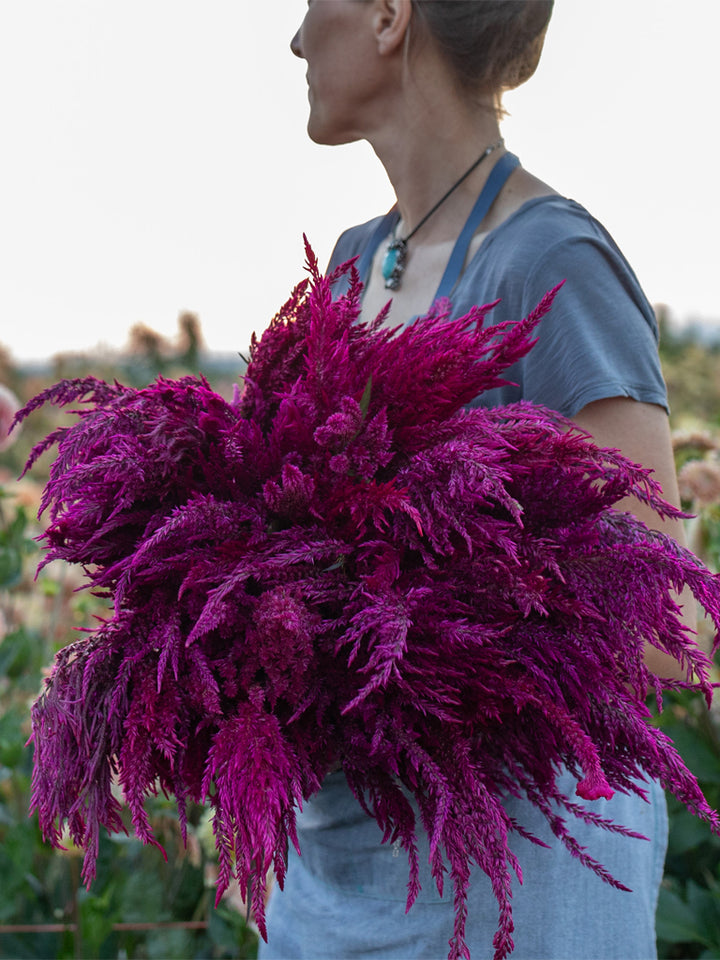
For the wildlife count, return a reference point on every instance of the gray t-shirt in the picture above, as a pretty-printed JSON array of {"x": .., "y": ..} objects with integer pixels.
[{"x": 599, "y": 339}]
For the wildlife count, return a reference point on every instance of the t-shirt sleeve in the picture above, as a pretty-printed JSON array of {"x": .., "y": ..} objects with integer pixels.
[{"x": 599, "y": 339}]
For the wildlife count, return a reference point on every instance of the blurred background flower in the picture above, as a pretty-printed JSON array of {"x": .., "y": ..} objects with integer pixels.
[
  {"x": 699, "y": 481},
  {"x": 9, "y": 406}
]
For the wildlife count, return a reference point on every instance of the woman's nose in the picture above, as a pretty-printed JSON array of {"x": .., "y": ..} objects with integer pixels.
[{"x": 295, "y": 45}]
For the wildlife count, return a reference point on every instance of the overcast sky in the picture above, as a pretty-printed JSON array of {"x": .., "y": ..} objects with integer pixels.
[{"x": 154, "y": 159}]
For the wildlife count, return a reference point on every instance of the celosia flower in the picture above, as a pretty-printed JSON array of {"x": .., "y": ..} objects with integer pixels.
[{"x": 346, "y": 566}]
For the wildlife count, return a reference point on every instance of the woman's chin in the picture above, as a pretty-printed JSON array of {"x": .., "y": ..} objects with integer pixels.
[{"x": 329, "y": 135}]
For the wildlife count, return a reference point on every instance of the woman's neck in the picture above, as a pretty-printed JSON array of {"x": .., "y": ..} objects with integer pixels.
[{"x": 425, "y": 147}]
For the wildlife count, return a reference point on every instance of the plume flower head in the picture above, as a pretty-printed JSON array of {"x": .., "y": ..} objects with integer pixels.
[{"x": 345, "y": 566}]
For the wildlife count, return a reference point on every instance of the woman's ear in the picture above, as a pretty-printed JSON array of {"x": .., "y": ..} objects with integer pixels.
[{"x": 391, "y": 21}]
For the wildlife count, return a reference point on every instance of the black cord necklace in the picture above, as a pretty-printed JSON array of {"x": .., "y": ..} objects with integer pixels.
[{"x": 393, "y": 265}]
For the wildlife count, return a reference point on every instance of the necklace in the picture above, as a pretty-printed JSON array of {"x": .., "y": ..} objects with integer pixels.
[{"x": 393, "y": 265}]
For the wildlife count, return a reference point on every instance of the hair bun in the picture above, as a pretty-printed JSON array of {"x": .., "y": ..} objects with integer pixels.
[{"x": 491, "y": 45}]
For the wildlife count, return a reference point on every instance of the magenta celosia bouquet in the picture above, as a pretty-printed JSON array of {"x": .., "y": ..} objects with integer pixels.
[{"x": 347, "y": 566}]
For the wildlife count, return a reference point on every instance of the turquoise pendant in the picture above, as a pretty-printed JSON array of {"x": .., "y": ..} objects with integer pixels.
[{"x": 393, "y": 263}]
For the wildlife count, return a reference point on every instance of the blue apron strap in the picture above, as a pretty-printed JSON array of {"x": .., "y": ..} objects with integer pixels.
[
  {"x": 386, "y": 224},
  {"x": 493, "y": 185}
]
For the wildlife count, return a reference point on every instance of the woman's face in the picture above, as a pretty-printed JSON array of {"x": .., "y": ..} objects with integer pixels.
[{"x": 336, "y": 39}]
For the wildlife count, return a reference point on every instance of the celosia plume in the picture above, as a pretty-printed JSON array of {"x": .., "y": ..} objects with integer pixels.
[{"x": 347, "y": 566}]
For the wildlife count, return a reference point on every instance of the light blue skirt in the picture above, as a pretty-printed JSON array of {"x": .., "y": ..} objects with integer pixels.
[{"x": 345, "y": 897}]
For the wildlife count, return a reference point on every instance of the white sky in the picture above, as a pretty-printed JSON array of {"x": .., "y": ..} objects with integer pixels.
[{"x": 154, "y": 159}]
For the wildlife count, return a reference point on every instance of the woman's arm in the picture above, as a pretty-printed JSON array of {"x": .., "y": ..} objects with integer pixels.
[{"x": 641, "y": 432}]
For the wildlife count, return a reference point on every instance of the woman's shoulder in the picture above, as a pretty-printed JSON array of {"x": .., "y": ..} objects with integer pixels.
[
  {"x": 553, "y": 238},
  {"x": 599, "y": 339},
  {"x": 543, "y": 223}
]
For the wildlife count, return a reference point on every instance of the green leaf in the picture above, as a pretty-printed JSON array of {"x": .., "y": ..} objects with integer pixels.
[
  {"x": 675, "y": 920},
  {"x": 705, "y": 905},
  {"x": 168, "y": 944},
  {"x": 97, "y": 917},
  {"x": 48, "y": 587},
  {"x": 686, "y": 832},
  {"x": 365, "y": 399},
  {"x": 34, "y": 946},
  {"x": 229, "y": 933},
  {"x": 12, "y": 739},
  {"x": 19, "y": 654},
  {"x": 702, "y": 759},
  {"x": 10, "y": 566}
]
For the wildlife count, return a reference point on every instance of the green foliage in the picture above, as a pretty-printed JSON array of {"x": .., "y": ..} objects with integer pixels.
[
  {"x": 688, "y": 916},
  {"x": 135, "y": 886},
  {"x": 14, "y": 545},
  {"x": 706, "y": 533},
  {"x": 691, "y": 366}
]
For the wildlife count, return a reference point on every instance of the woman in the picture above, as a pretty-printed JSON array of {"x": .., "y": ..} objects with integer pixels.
[{"x": 421, "y": 80}]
